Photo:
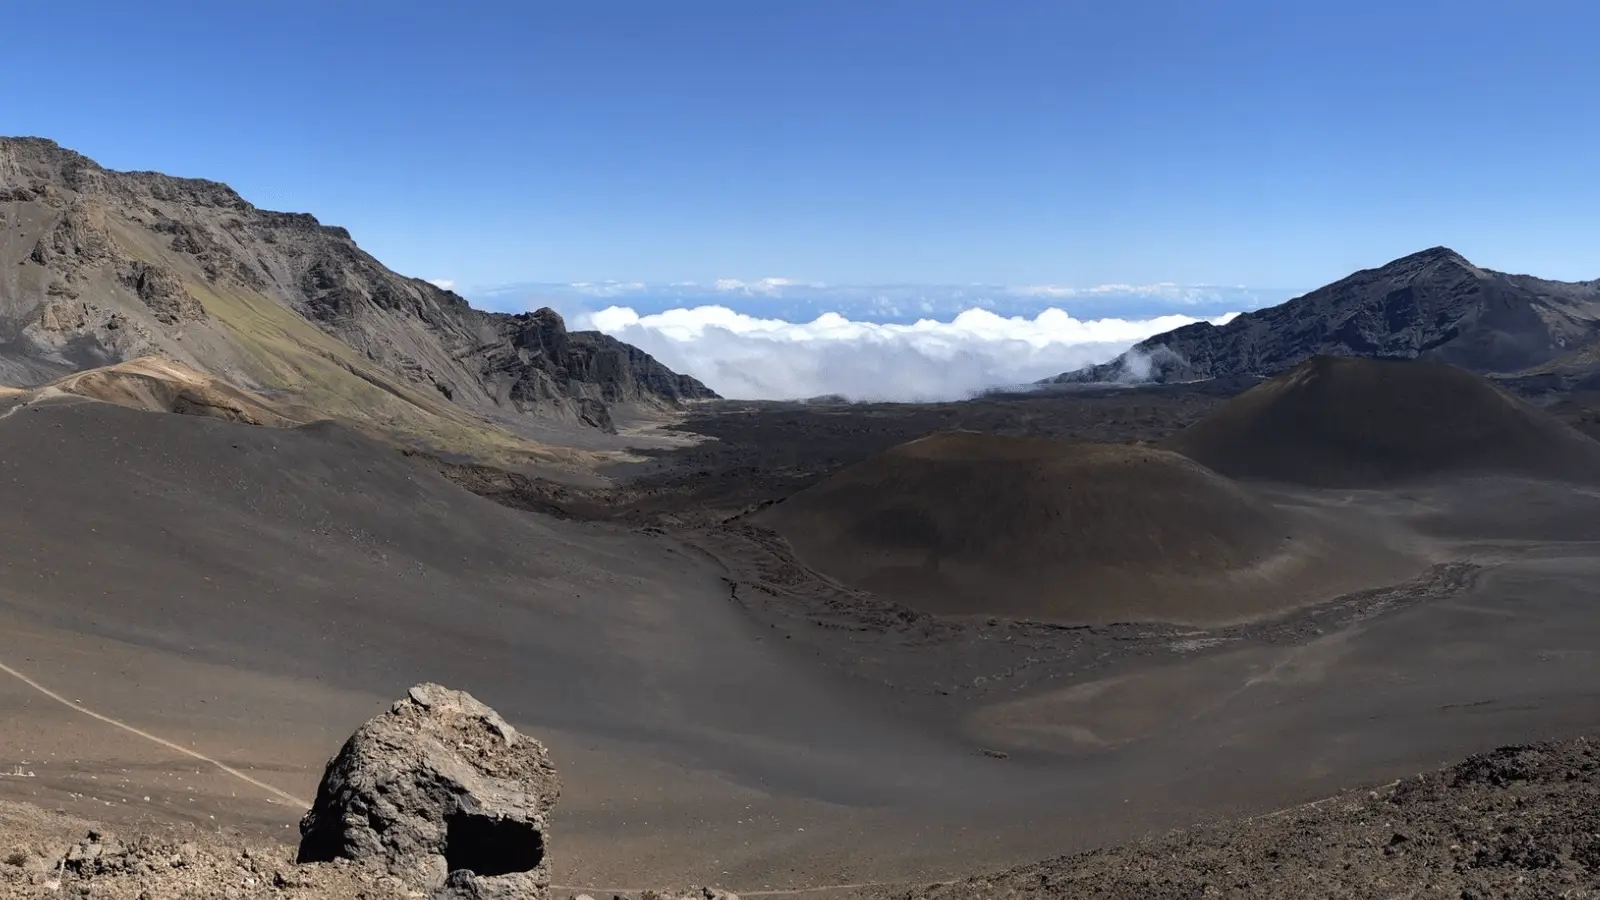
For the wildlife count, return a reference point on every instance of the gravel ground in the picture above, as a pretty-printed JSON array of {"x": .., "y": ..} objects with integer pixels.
[{"x": 1519, "y": 822}]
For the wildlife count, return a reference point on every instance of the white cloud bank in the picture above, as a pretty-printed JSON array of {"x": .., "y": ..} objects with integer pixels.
[
  {"x": 443, "y": 284},
  {"x": 746, "y": 357}
]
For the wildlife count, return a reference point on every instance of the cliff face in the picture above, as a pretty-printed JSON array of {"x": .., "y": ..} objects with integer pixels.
[
  {"x": 1430, "y": 305},
  {"x": 98, "y": 266}
]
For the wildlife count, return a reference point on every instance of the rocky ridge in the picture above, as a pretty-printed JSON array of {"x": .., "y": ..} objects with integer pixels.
[
  {"x": 1432, "y": 305},
  {"x": 100, "y": 266}
]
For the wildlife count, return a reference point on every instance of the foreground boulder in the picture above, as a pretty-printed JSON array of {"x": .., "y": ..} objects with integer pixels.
[{"x": 442, "y": 794}]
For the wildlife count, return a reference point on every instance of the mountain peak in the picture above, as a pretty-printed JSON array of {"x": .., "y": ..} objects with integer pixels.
[
  {"x": 1433, "y": 304},
  {"x": 1440, "y": 252},
  {"x": 1432, "y": 256},
  {"x": 1421, "y": 264}
]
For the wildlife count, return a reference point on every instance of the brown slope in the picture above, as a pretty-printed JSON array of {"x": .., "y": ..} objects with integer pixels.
[
  {"x": 99, "y": 267},
  {"x": 1430, "y": 305},
  {"x": 961, "y": 523},
  {"x": 1353, "y": 422},
  {"x": 153, "y": 384}
]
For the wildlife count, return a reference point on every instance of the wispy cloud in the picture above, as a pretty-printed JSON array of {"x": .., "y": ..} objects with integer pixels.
[
  {"x": 747, "y": 356},
  {"x": 1165, "y": 290},
  {"x": 770, "y": 287},
  {"x": 608, "y": 288}
]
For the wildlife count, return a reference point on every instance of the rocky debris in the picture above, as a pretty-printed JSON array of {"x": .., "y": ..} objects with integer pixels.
[
  {"x": 442, "y": 794},
  {"x": 101, "y": 865},
  {"x": 1518, "y": 822},
  {"x": 1430, "y": 305},
  {"x": 163, "y": 291},
  {"x": 705, "y": 893}
]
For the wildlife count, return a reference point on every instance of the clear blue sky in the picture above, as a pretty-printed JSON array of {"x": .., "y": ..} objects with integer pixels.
[{"x": 856, "y": 141}]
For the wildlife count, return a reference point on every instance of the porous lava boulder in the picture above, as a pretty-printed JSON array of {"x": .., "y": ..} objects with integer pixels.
[{"x": 442, "y": 794}]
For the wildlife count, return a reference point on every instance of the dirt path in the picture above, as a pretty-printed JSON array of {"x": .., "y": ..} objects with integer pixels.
[
  {"x": 13, "y": 410},
  {"x": 781, "y": 892},
  {"x": 178, "y": 748},
  {"x": 46, "y": 393}
]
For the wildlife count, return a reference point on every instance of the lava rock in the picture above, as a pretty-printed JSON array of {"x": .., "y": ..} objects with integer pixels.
[{"x": 443, "y": 795}]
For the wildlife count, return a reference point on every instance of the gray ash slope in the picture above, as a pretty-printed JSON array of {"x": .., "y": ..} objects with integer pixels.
[
  {"x": 1432, "y": 305},
  {"x": 99, "y": 266}
]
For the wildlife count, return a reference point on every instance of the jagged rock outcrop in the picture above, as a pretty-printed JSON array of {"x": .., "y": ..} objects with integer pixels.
[
  {"x": 1431, "y": 305},
  {"x": 162, "y": 290},
  {"x": 161, "y": 251},
  {"x": 442, "y": 794},
  {"x": 79, "y": 238},
  {"x": 542, "y": 363}
]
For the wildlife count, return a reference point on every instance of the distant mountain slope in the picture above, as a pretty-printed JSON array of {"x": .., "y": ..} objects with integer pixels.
[
  {"x": 1578, "y": 371},
  {"x": 1430, "y": 305},
  {"x": 99, "y": 267}
]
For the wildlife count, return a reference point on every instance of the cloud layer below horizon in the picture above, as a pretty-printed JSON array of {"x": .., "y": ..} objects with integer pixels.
[
  {"x": 783, "y": 338},
  {"x": 743, "y": 356}
]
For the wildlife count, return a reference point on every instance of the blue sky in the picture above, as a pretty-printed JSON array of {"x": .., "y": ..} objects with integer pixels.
[
  {"x": 1275, "y": 144},
  {"x": 1073, "y": 172}
]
